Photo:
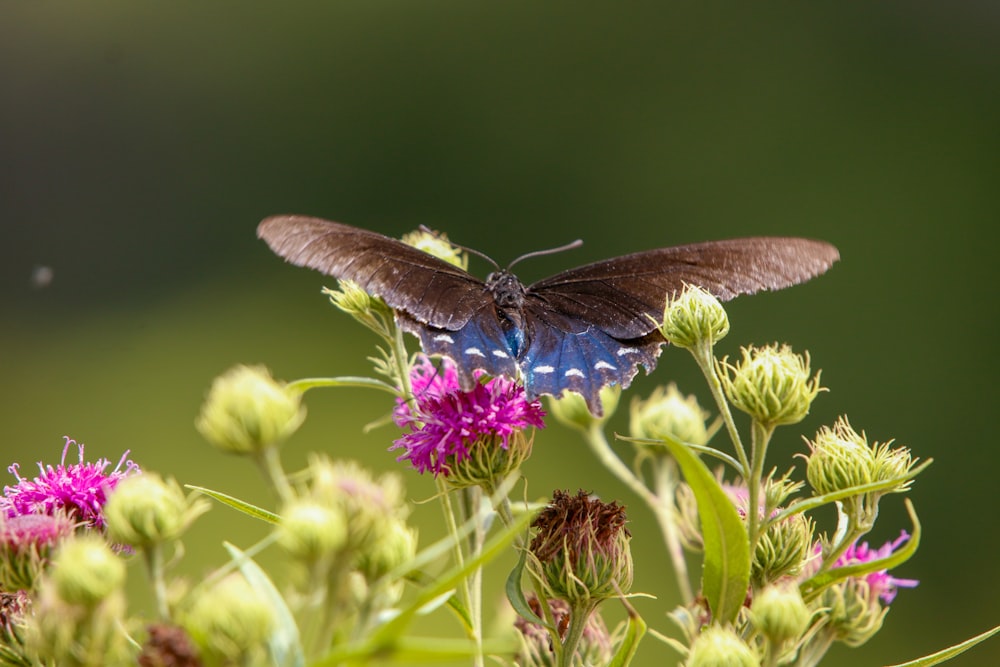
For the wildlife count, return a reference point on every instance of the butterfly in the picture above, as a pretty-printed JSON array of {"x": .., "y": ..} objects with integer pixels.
[{"x": 578, "y": 330}]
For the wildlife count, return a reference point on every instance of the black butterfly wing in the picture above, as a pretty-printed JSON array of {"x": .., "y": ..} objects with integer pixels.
[
  {"x": 619, "y": 295},
  {"x": 430, "y": 290},
  {"x": 595, "y": 325}
]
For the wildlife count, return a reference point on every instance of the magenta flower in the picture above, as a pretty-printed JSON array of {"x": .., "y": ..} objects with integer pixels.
[
  {"x": 79, "y": 489},
  {"x": 444, "y": 421},
  {"x": 882, "y": 584}
]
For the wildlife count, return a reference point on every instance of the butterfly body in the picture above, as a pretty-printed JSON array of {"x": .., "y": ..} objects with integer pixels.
[{"x": 578, "y": 330}]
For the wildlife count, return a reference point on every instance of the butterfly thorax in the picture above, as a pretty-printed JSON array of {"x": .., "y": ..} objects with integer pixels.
[
  {"x": 506, "y": 289},
  {"x": 508, "y": 296}
]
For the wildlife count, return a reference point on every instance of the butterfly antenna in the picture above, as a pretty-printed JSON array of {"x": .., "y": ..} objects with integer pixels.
[{"x": 551, "y": 251}]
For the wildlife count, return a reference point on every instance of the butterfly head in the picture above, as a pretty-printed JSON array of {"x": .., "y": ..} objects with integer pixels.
[{"x": 506, "y": 290}]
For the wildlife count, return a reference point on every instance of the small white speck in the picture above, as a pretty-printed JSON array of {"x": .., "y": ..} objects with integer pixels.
[
  {"x": 574, "y": 372},
  {"x": 604, "y": 365},
  {"x": 543, "y": 369},
  {"x": 444, "y": 338},
  {"x": 622, "y": 351},
  {"x": 500, "y": 353},
  {"x": 474, "y": 351}
]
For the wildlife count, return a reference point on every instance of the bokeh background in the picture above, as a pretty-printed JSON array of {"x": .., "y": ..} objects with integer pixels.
[{"x": 140, "y": 144}]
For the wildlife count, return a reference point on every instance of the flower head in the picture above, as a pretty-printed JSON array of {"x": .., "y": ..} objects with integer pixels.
[
  {"x": 693, "y": 318},
  {"x": 881, "y": 584},
  {"x": 581, "y": 548},
  {"x": 79, "y": 489},
  {"x": 446, "y": 423},
  {"x": 247, "y": 410},
  {"x": 771, "y": 384}
]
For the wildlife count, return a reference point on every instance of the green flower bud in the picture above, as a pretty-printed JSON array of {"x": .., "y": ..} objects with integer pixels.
[
  {"x": 26, "y": 545},
  {"x": 247, "y": 410},
  {"x": 395, "y": 545},
  {"x": 231, "y": 624},
  {"x": 60, "y": 632},
  {"x": 782, "y": 549},
  {"x": 720, "y": 647},
  {"x": 488, "y": 461},
  {"x": 771, "y": 384},
  {"x": 840, "y": 458},
  {"x": 144, "y": 510},
  {"x": 694, "y": 318},
  {"x": 312, "y": 531},
  {"x": 571, "y": 409},
  {"x": 780, "y": 613},
  {"x": 853, "y": 612},
  {"x": 436, "y": 243},
  {"x": 85, "y": 571},
  {"x": 668, "y": 413},
  {"x": 581, "y": 549}
]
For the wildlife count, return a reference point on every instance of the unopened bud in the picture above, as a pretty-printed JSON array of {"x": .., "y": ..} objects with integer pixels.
[
  {"x": 247, "y": 410},
  {"x": 720, "y": 647},
  {"x": 694, "y": 318},
  {"x": 669, "y": 414},
  {"x": 145, "y": 510},
  {"x": 780, "y": 613},
  {"x": 771, "y": 384}
]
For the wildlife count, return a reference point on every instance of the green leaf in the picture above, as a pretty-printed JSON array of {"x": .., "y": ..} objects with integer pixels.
[
  {"x": 515, "y": 593},
  {"x": 812, "y": 587},
  {"x": 347, "y": 381},
  {"x": 239, "y": 505},
  {"x": 725, "y": 577},
  {"x": 285, "y": 643},
  {"x": 630, "y": 642},
  {"x": 949, "y": 653}
]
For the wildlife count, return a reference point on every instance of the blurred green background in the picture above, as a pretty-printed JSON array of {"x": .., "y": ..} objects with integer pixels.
[{"x": 140, "y": 144}]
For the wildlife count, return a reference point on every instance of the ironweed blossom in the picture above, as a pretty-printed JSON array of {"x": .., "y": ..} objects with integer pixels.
[
  {"x": 880, "y": 583},
  {"x": 445, "y": 423},
  {"x": 79, "y": 489}
]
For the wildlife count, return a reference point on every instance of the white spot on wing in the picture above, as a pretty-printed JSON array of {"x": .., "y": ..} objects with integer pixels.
[
  {"x": 574, "y": 372},
  {"x": 500, "y": 353},
  {"x": 622, "y": 351},
  {"x": 474, "y": 351},
  {"x": 543, "y": 369},
  {"x": 444, "y": 338},
  {"x": 604, "y": 365}
]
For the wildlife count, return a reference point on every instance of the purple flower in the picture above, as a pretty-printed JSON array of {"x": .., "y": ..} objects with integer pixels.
[
  {"x": 444, "y": 421},
  {"x": 881, "y": 584},
  {"x": 79, "y": 489}
]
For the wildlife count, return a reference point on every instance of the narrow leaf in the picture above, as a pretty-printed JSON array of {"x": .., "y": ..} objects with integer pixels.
[
  {"x": 949, "y": 653},
  {"x": 237, "y": 504},
  {"x": 726, "y": 574},
  {"x": 285, "y": 643}
]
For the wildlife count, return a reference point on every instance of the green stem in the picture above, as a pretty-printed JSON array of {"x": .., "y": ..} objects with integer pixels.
[
  {"x": 706, "y": 362},
  {"x": 473, "y": 498},
  {"x": 154, "y": 563},
  {"x": 761, "y": 436},
  {"x": 578, "y": 617},
  {"x": 665, "y": 484},
  {"x": 269, "y": 461}
]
